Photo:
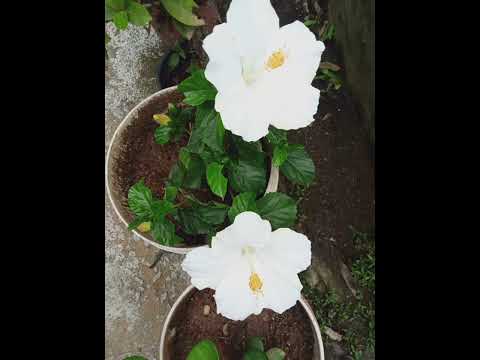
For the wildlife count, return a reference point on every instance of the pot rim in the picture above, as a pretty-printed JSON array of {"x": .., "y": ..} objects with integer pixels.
[
  {"x": 191, "y": 288},
  {"x": 272, "y": 185}
]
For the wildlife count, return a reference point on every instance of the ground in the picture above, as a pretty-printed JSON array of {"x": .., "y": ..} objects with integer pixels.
[
  {"x": 336, "y": 213},
  {"x": 137, "y": 298}
]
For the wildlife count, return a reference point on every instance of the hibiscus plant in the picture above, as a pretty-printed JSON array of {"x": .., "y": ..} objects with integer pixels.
[
  {"x": 207, "y": 350},
  {"x": 256, "y": 86},
  {"x": 234, "y": 170}
]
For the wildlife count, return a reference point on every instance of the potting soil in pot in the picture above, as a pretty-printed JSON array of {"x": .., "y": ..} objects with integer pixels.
[
  {"x": 197, "y": 319},
  {"x": 142, "y": 158}
]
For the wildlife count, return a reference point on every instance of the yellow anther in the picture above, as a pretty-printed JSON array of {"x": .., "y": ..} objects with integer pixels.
[
  {"x": 275, "y": 60},
  {"x": 255, "y": 283}
]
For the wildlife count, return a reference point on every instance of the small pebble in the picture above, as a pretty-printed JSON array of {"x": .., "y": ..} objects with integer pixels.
[
  {"x": 206, "y": 310},
  {"x": 225, "y": 329}
]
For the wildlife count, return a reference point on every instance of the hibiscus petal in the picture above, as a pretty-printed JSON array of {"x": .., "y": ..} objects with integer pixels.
[
  {"x": 233, "y": 296},
  {"x": 290, "y": 249},
  {"x": 254, "y": 23},
  {"x": 295, "y": 107},
  {"x": 224, "y": 69},
  {"x": 248, "y": 229},
  {"x": 202, "y": 265},
  {"x": 243, "y": 113},
  {"x": 303, "y": 52},
  {"x": 281, "y": 288}
]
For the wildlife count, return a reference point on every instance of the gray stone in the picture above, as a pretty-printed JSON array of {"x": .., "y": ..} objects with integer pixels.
[
  {"x": 137, "y": 298},
  {"x": 330, "y": 279},
  {"x": 333, "y": 351}
]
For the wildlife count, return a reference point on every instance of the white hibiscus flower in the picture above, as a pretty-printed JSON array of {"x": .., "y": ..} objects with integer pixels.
[
  {"x": 250, "y": 267},
  {"x": 262, "y": 72}
]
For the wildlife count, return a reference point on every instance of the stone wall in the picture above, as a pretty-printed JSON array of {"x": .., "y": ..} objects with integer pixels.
[{"x": 354, "y": 22}]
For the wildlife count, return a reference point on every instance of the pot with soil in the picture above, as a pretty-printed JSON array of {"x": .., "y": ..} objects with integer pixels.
[
  {"x": 142, "y": 168},
  {"x": 193, "y": 318}
]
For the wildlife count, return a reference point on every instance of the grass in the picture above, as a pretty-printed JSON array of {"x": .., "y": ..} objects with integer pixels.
[{"x": 354, "y": 319}]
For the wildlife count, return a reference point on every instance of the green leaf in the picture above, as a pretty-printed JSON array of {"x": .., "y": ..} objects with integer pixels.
[
  {"x": 250, "y": 152},
  {"x": 298, "y": 167},
  {"x": 163, "y": 232},
  {"x": 214, "y": 132},
  {"x": 255, "y": 355},
  {"x": 276, "y": 136},
  {"x": 194, "y": 173},
  {"x": 179, "y": 120},
  {"x": 192, "y": 68},
  {"x": 116, "y": 5},
  {"x": 140, "y": 200},
  {"x": 242, "y": 202},
  {"x": 280, "y": 154},
  {"x": 279, "y": 209},
  {"x": 185, "y": 157},
  {"x": 120, "y": 19},
  {"x": 137, "y": 14},
  {"x": 136, "y": 357},
  {"x": 160, "y": 208},
  {"x": 216, "y": 180},
  {"x": 208, "y": 130},
  {"x": 173, "y": 61},
  {"x": 163, "y": 134},
  {"x": 108, "y": 13},
  {"x": 197, "y": 89},
  {"x": 310, "y": 22},
  {"x": 138, "y": 221},
  {"x": 204, "y": 350},
  {"x": 255, "y": 343},
  {"x": 201, "y": 218},
  {"x": 195, "y": 143},
  {"x": 184, "y": 30},
  {"x": 177, "y": 175},
  {"x": 275, "y": 354},
  {"x": 181, "y": 10},
  {"x": 210, "y": 156},
  {"x": 209, "y": 127},
  {"x": 247, "y": 176},
  {"x": 212, "y": 214},
  {"x": 170, "y": 193},
  {"x": 191, "y": 222}
]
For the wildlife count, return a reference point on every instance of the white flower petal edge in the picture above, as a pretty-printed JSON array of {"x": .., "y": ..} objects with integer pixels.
[
  {"x": 290, "y": 249},
  {"x": 242, "y": 113},
  {"x": 251, "y": 267},
  {"x": 254, "y": 23},
  {"x": 203, "y": 263},
  {"x": 298, "y": 110},
  {"x": 224, "y": 68},
  {"x": 262, "y": 72}
]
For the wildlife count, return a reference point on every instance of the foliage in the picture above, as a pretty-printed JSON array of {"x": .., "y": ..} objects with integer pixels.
[
  {"x": 207, "y": 350},
  {"x": 233, "y": 170},
  {"x": 123, "y": 12},
  {"x": 354, "y": 318}
]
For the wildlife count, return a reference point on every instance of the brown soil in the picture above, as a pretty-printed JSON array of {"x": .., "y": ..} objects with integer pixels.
[
  {"x": 290, "y": 331},
  {"x": 142, "y": 158},
  {"x": 343, "y": 194}
]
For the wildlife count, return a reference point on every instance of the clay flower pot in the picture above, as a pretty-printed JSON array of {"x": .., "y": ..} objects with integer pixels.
[
  {"x": 139, "y": 116},
  {"x": 169, "y": 331}
]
